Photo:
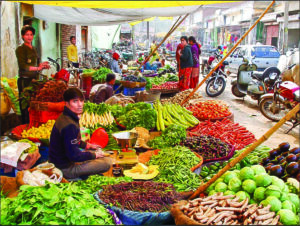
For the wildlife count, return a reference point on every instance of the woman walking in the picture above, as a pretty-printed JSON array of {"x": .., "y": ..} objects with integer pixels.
[
  {"x": 195, "y": 54},
  {"x": 186, "y": 64}
]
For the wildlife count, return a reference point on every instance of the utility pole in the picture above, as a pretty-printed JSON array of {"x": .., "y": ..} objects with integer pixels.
[{"x": 285, "y": 27}]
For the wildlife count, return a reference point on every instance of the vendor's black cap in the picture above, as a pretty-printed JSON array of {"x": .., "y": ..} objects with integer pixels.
[{"x": 73, "y": 93}]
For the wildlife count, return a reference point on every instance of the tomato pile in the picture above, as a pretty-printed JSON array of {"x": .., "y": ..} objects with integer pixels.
[
  {"x": 209, "y": 109},
  {"x": 226, "y": 130},
  {"x": 166, "y": 85}
]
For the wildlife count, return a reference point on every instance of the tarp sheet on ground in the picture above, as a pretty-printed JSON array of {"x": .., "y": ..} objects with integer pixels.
[{"x": 89, "y": 13}]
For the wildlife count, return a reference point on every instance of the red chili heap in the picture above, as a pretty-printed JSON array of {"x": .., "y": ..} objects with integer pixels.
[{"x": 140, "y": 196}]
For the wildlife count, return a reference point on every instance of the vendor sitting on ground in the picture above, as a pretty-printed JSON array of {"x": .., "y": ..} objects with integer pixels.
[
  {"x": 115, "y": 64},
  {"x": 102, "y": 92},
  {"x": 65, "y": 142}
]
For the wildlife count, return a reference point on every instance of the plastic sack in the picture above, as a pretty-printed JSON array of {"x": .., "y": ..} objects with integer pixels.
[
  {"x": 11, "y": 90},
  {"x": 138, "y": 218}
]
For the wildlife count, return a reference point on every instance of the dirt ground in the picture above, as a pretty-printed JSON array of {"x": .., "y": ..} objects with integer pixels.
[{"x": 246, "y": 112}]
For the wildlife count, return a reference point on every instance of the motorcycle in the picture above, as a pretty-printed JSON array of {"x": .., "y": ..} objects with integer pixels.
[
  {"x": 216, "y": 84},
  {"x": 275, "y": 106},
  {"x": 253, "y": 83}
]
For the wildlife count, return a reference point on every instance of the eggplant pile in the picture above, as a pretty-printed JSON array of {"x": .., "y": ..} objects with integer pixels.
[
  {"x": 283, "y": 162},
  {"x": 208, "y": 147}
]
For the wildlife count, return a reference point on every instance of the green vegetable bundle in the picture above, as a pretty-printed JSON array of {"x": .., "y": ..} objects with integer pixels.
[
  {"x": 95, "y": 182},
  {"x": 175, "y": 168},
  {"x": 33, "y": 147},
  {"x": 98, "y": 109},
  {"x": 53, "y": 204},
  {"x": 138, "y": 115},
  {"x": 171, "y": 136},
  {"x": 100, "y": 74}
]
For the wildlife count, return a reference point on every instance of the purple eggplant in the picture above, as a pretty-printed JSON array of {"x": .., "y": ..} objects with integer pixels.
[
  {"x": 276, "y": 170},
  {"x": 274, "y": 153},
  {"x": 292, "y": 168},
  {"x": 295, "y": 151},
  {"x": 291, "y": 158},
  {"x": 284, "y": 147}
]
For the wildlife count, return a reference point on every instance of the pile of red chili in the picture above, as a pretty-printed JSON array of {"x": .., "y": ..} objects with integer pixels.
[
  {"x": 144, "y": 196},
  {"x": 166, "y": 85},
  {"x": 226, "y": 131},
  {"x": 209, "y": 110}
]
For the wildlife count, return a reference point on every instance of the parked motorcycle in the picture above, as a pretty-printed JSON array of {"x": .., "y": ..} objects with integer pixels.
[
  {"x": 216, "y": 84},
  {"x": 253, "y": 83},
  {"x": 275, "y": 106}
]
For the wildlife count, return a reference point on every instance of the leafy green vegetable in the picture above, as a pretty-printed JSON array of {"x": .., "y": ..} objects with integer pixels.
[
  {"x": 273, "y": 190},
  {"x": 234, "y": 184},
  {"x": 95, "y": 182},
  {"x": 100, "y": 74},
  {"x": 274, "y": 202},
  {"x": 289, "y": 206},
  {"x": 258, "y": 169},
  {"x": 98, "y": 109},
  {"x": 263, "y": 180},
  {"x": 53, "y": 204},
  {"x": 220, "y": 187},
  {"x": 243, "y": 195},
  {"x": 246, "y": 173},
  {"x": 171, "y": 136}
]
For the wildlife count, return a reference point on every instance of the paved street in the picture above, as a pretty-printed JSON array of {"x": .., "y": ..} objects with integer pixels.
[{"x": 246, "y": 112}]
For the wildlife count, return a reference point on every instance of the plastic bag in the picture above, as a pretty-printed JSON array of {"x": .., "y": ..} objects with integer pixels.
[{"x": 11, "y": 89}]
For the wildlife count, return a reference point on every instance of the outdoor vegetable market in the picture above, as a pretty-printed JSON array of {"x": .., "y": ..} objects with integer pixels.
[{"x": 142, "y": 134}]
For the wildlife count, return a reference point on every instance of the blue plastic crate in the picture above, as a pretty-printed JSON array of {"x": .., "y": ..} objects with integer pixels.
[
  {"x": 44, "y": 151},
  {"x": 132, "y": 91},
  {"x": 116, "y": 87},
  {"x": 13, "y": 173}
]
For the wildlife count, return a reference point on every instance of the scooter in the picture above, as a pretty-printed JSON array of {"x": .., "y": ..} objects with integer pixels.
[
  {"x": 216, "y": 84},
  {"x": 275, "y": 106},
  {"x": 253, "y": 83}
]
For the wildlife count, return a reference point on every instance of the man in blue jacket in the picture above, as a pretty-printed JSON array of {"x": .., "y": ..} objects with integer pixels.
[{"x": 65, "y": 142}]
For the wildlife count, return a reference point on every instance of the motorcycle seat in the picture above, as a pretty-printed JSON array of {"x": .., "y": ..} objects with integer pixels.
[{"x": 258, "y": 74}]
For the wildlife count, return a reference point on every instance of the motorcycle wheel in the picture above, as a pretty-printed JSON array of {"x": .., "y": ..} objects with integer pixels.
[
  {"x": 210, "y": 89},
  {"x": 264, "y": 107},
  {"x": 235, "y": 91}
]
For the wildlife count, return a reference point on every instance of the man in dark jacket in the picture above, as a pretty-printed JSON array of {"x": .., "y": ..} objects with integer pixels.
[
  {"x": 186, "y": 64},
  {"x": 65, "y": 142}
]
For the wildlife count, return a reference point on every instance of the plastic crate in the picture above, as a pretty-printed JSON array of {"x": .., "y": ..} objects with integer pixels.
[
  {"x": 13, "y": 173},
  {"x": 132, "y": 91},
  {"x": 116, "y": 86}
]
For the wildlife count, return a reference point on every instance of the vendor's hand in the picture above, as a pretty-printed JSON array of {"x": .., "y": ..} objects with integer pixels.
[
  {"x": 92, "y": 146},
  {"x": 99, "y": 154}
]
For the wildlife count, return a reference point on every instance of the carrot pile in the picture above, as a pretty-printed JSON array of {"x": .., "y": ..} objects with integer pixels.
[
  {"x": 225, "y": 130},
  {"x": 146, "y": 156}
]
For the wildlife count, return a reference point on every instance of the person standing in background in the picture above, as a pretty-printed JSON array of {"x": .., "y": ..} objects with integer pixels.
[
  {"x": 178, "y": 51},
  {"x": 195, "y": 69},
  {"x": 72, "y": 52},
  {"x": 28, "y": 60},
  {"x": 186, "y": 64}
]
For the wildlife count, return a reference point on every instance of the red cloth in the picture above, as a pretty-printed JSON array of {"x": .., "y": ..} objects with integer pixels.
[
  {"x": 178, "y": 49},
  {"x": 116, "y": 56},
  {"x": 194, "y": 78},
  {"x": 184, "y": 78}
]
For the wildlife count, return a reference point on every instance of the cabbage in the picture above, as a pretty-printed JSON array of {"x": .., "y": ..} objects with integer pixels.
[
  {"x": 249, "y": 186},
  {"x": 286, "y": 189},
  {"x": 259, "y": 194},
  {"x": 246, "y": 173},
  {"x": 273, "y": 190},
  {"x": 263, "y": 180},
  {"x": 221, "y": 187},
  {"x": 219, "y": 180},
  {"x": 210, "y": 188},
  {"x": 284, "y": 196},
  {"x": 228, "y": 192},
  {"x": 278, "y": 182},
  {"x": 234, "y": 184},
  {"x": 287, "y": 217},
  {"x": 228, "y": 176},
  {"x": 252, "y": 201},
  {"x": 289, "y": 206},
  {"x": 258, "y": 169},
  {"x": 274, "y": 202},
  {"x": 295, "y": 200},
  {"x": 243, "y": 195}
]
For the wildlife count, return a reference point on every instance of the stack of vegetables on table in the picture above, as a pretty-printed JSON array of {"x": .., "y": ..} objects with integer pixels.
[
  {"x": 159, "y": 80},
  {"x": 135, "y": 115},
  {"x": 283, "y": 162},
  {"x": 95, "y": 115},
  {"x": 254, "y": 184},
  {"x": 54, "y": 204},
  {"x": 140, "y": 196},
  {"x": 41, "y": 132},
  {"x": 175, "y": 165},
  {"x": 210, "y": 148},
  {"x": 165, "y": 86},
  {"x": 168, "y": 114},
  {"x": 209, "y": 109},
  {"x": 226, "y": 130},
  {"x": 52, "y": 91}
]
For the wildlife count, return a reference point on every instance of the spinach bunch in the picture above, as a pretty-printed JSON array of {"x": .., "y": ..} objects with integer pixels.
[
  {"x": 100, "y": 74},
  {"x": 171, "y": 136},
  {"x": 54, "y": 204},
  {"x": 139, "y": 114},
  {"x": 95, "y": 182}
]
